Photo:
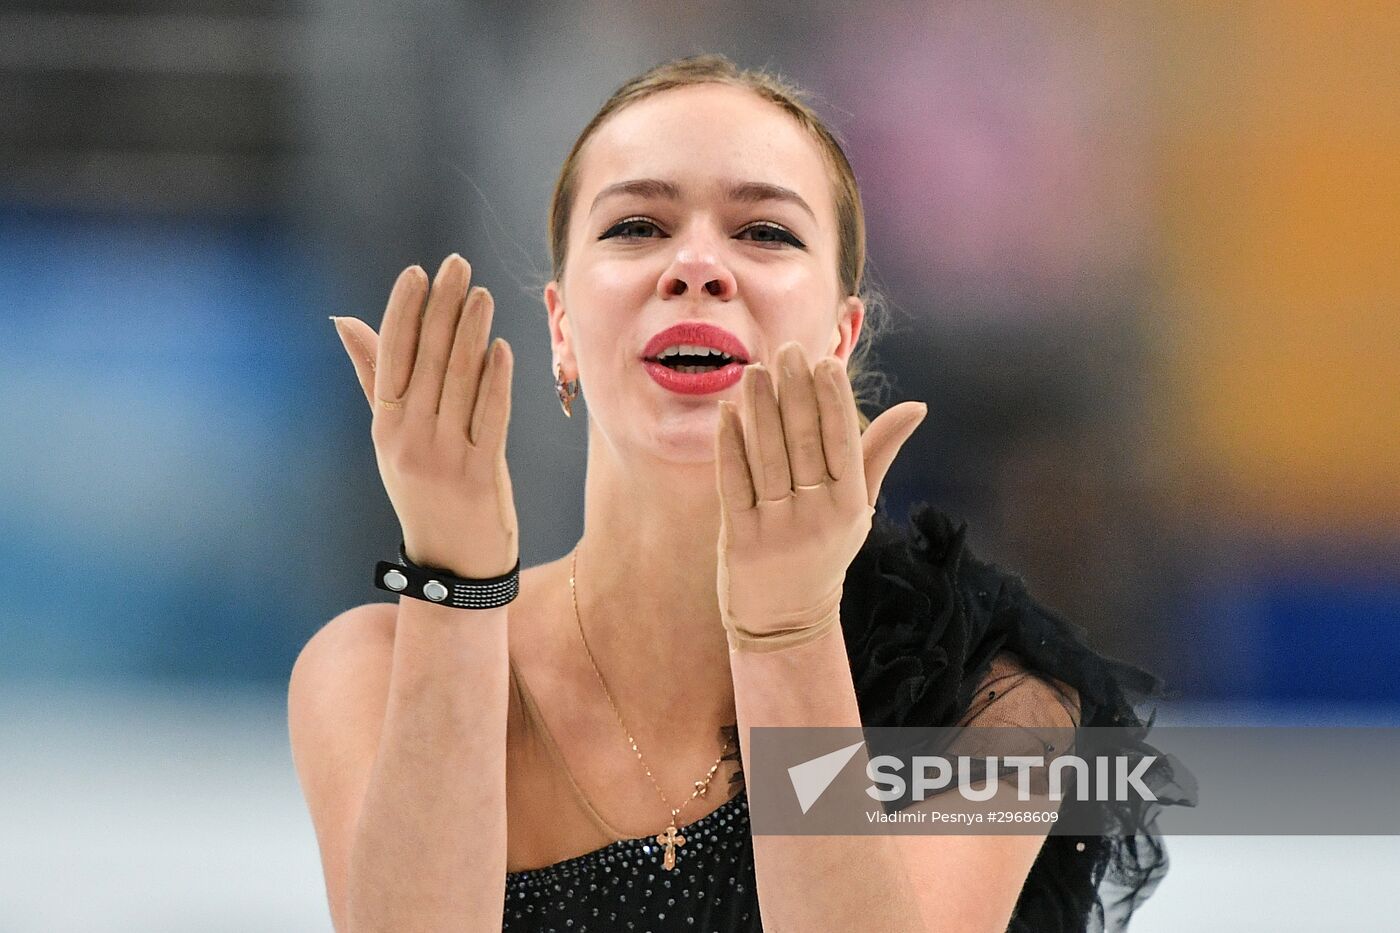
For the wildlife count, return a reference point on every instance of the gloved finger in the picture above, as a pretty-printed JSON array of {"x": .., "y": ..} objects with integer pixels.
[
  {"x": 491, "y": 416},
  {"x": 840, "y": 427},
  {"x": 467, "y": 362},
  {"x": 884, "y": 438},
  {"x": 361, "y": 344},
  {"x": 797, "y": 401},
  {"x": 438, "y": 327},
  {"x": 763, "y": 432},
  {"x": 731, "y": 462},
  {"x": 398, "y": 336}
]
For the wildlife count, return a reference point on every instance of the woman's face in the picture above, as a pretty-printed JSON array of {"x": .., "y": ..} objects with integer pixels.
[{"x": 702, "y": 205}]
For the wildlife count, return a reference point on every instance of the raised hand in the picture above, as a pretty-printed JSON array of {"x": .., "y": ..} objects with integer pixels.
[
  {"x": 798, "y": 483},
  {"x": 440, "y": 398}
]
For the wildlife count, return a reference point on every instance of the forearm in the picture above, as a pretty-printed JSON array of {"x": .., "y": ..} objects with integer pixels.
[
  {"x": 430, "y": 847},
  {"x": 817, "y": 882}
]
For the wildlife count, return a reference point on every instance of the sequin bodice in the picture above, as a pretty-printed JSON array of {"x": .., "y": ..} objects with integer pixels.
[{"x": 622, "y": 886}]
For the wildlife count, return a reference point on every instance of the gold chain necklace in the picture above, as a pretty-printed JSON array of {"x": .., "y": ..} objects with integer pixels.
[{"x": 670, "y": 838}]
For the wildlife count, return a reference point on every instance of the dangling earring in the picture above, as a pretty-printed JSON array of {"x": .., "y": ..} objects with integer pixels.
[{"x": 567, "y": 391}]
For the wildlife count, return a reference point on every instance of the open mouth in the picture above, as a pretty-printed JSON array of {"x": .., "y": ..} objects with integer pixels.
[{"x": 693, "y": 361}]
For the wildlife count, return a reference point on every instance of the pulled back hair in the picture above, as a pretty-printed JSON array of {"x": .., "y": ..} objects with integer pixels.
[{"x": 850, "y": 214}]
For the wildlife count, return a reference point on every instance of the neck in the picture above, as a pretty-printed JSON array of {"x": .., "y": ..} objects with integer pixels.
[{"x": 646, "y": 592}]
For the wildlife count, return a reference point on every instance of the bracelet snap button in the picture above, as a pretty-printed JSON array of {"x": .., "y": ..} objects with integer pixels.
[
  {"x": 395, "y": 581},
  {"x": 435, "y": 591}
]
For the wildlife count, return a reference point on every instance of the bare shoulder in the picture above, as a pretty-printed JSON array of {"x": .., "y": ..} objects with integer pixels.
[
  {"x": 336, "y": 701},
  {"x": 343, "y": 670},
  {"x": 365, "y": 628},
  {"x": 340, "y": 680}
]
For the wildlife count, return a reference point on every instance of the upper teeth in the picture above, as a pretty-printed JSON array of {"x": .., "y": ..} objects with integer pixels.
[{"x": 688, "y": 349}]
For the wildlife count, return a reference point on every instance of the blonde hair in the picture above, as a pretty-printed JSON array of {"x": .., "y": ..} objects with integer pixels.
[{"x": 850, "y": 214}]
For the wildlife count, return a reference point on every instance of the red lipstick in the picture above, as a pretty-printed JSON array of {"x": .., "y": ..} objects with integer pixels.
[{"x": 696, "y": 334}]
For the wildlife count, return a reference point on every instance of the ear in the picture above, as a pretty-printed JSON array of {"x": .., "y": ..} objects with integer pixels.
[
  {"x": 849, "y": 320},
  {"x": 560, "y": 338}
]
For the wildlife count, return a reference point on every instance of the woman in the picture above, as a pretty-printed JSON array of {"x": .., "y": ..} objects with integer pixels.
[{"x": 734, "y": 571}]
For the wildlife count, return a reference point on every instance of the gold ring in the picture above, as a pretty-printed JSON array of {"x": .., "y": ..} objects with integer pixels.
[
  {"x": 813, "y": 486},
  {"x": 392, "y": 406}
]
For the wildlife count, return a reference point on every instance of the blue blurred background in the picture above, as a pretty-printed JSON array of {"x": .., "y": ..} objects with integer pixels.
[{"x": 1140, "y": 263}]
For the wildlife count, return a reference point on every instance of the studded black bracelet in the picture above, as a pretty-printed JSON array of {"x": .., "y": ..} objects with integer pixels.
[{"x": 435, "y": 585}]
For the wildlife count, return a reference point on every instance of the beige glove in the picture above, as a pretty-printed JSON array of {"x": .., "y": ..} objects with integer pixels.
[
  {"x": 797, "y": 482},
  {"x": 441, "y": 403}
]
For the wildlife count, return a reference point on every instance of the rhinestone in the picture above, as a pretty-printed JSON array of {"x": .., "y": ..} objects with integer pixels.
[{"x": 698, "y": 887}]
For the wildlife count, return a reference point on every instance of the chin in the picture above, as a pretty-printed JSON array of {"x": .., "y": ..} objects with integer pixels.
[{"x": 685, "y": 439}]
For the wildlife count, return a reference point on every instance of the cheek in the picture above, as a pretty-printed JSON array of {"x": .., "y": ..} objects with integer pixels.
[
  {"x": 791, "y": 304},
  {"x": 612, "y": 289},
  {"x": 604, "y": 299},
  {"x": 616, "y": 279}
]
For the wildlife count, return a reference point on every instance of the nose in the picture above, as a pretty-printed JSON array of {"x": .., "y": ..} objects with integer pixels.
[{"x": 696, "y": 270}]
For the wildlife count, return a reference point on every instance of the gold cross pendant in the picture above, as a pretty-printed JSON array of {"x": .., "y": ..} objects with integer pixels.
[{"x": 670, "y": 839}]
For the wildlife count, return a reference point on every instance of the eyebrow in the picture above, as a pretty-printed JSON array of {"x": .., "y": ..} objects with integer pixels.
[{"x": 744, "y": 192}]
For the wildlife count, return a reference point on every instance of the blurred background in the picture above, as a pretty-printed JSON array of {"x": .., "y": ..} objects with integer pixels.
[{"x": 1141, "y": 263}]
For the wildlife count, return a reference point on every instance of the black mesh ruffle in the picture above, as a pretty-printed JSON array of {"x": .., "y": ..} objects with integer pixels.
[{"x": 923, "y": 619}]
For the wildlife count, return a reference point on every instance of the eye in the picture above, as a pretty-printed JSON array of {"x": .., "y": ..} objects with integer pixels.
[
  {"x": 631, "y": 228},
  {"x": 765, "y": 232}
]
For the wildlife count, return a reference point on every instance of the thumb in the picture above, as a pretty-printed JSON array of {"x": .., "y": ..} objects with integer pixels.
[
  {"x": 361, "y": 345},
  {"x": 883, "y": 440}
]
